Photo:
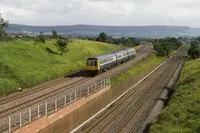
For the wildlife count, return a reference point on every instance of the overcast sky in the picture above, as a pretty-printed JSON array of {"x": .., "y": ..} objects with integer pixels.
[{"x": 102, "y": 12}]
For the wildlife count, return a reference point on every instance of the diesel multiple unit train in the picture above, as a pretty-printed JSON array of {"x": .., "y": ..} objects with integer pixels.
[{"x": 96, "y": 65}]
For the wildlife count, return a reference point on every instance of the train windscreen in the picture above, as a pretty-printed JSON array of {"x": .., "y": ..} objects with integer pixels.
[{"x": 91, "y": 63}]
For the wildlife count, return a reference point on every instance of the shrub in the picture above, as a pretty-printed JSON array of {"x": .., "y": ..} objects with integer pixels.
[
  {"x": 164, "y": 46},
  {"x": 194, "y": 51},
  {"x": 62, "y": 44}
]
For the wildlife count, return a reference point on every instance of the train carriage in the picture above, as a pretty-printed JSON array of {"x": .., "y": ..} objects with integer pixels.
[
  {"x": 101, "y": 63},
  {"x": 131, "y": 53},
  {"x": 122, "y": 56}
]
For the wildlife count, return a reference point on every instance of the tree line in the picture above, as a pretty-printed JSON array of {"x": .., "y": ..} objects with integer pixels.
[
  {"x": 164, "y": 46},
  {"x": 125, "y": 41}
]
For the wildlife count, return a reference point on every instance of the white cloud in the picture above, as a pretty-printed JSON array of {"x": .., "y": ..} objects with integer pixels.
[{"x": 102, "y": 12}]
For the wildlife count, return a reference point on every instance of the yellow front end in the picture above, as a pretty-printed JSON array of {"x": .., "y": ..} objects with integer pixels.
[{"x": 92, "y": 66}]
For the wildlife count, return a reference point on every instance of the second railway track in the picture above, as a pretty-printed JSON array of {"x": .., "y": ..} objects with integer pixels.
[
  {"x": 38, "y": 88},
  {"x": 6, "y": 110}
]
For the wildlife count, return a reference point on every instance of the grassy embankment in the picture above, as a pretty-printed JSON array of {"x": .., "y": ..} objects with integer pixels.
[
  {"x": 144, "y": 66},
  {"x": 23, "y": 64},
  {"x": 182, "y": 115}
]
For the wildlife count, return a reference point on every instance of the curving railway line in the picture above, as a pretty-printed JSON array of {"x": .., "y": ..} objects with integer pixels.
[
  {"x": 127, "y": 113},
  {"x": 52, "y": 90},
  {"x": 38, "y": 88}
]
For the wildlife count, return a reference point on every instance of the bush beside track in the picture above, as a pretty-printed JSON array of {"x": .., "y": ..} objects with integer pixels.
[
  {"x": 182, "y": 114},
  {"x": 23, "y": 64}
]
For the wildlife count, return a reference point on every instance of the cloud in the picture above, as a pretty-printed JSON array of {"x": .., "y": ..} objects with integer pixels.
[{"x": 102, "y": 12}]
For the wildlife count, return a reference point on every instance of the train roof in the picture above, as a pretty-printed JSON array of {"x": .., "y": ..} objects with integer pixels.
[
  {"x": 103, "y": 56},
  {"x": 130, "y": 49},
  {"x": 112, "y": 54},
  {"x": 121, "y": 51}
]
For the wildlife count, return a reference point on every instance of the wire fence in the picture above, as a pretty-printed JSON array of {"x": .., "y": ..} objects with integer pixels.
[{"x": 46, "y": 108}]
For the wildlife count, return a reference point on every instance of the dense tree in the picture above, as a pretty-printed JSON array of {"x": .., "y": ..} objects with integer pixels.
[
  {"x": 54, "y": 34},
  {"x": 129, "y": 42},
  {"x": 62, "y": 44},
  {"x": 102, "y": 37},
  {"x": 164, "y": 46},
  {"x": 40, "y": 38},
  {"x": 174, "y": 43},
  {"x": 183, "y": 39},
  {"x": 198, "y": 39},
  {"x": 194, "y": 51},
  {"x": 162, "y": 49},
  {"x": 3, "y": 25},
  {"x": 134, "y": 41}
]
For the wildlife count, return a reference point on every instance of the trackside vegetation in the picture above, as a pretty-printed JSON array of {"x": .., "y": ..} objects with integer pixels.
[
  {"x": 24, "y": 63},
  {"x": 182, "y": 115},
  {"x": 144, "y": 66},
  {"x": 3, "y": 25},
  {"x": 194, "y": 51},
  {"x": 164, "y": 47}
]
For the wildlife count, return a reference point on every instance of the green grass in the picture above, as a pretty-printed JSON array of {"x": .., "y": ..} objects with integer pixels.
[
  {"x": 182, "y": 115},
  {"x": 150, "y": 62},
  {"x": 23, "y": 64}
]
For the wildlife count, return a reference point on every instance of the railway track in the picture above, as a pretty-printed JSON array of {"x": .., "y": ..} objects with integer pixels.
[
  {"x": 103, "y": 121},
  {"x": 20, "y": 101},
  {"x": 39, "y": 98},
  {"x": 126, "y": 114},
  {"x": 38, "y": 88},
  {"x": 135, "y": 124},
  {"x": 136, "y": 117},
  {"x": 61, "y": 103}
]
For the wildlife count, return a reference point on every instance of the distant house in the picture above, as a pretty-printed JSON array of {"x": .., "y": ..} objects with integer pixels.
[{"x": 16, "y": 35}]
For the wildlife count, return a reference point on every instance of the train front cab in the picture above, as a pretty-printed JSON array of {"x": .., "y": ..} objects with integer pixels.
[{"x": 92, "y": 66}]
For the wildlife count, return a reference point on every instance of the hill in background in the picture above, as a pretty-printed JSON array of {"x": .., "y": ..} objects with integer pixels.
[{"x": 115, "y": 31}]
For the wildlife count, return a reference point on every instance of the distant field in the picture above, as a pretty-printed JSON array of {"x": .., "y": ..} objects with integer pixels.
[
  {"x": 23, "y": 64},
  {"x": 182, "y": 115}
]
